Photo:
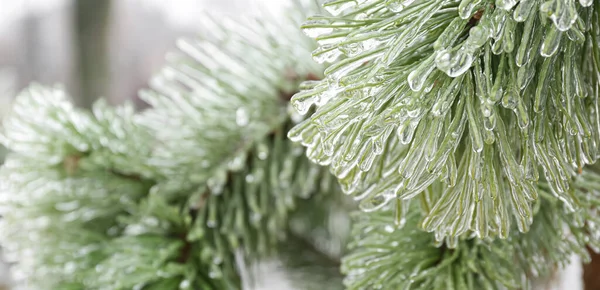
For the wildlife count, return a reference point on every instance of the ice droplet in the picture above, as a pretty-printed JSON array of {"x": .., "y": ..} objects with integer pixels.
[
  {"x": 389, "y": 229},
  {"x": 551, "y": 42},
  {"x": 241, "y": 117},
  {"x": 586, "y": 3},
  {"x": 453, "y": 64},
  {"x": 250, "y": 178},
  {"x": 406, "y": 131},
  {"x": 303, "y": 100},
  {"x": 262, "y": 151},
  {"x": 217, "y": 182},
  {"x": 506, "y": 4},
  {"x": 185, "y": 284},
  {"x": 478, "y": 36},
  {"x": 417, "y": 77},
  {"x": 211, "y": 223},
  {"x": 509, "y": 101},
  {"x": 237, "y": 162}
]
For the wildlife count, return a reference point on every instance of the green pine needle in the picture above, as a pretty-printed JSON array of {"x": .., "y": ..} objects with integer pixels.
[
  {"x": 385, "y": 257},
  {"x": 165, "y": 198}
]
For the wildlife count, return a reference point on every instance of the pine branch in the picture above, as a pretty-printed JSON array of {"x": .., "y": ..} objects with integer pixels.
[
  {"x": 60, "y": 198},
  {"x": 477, "y": 95},
  {"x": 210, "y": 169}
]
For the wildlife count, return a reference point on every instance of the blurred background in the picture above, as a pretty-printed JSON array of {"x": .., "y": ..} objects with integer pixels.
[
  {"x": 103, "y": 48},
  {"x": 94, "y": 48}
]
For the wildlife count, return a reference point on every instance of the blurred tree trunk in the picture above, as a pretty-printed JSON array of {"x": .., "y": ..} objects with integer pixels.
[
  {"x": 92, "y": 27},
  {"x": 591, "y": 272}
]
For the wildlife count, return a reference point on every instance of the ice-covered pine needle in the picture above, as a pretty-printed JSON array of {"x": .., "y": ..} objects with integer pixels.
[{"x": 460, "y": 105}]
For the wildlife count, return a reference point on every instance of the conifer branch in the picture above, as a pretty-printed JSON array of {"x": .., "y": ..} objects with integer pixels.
[{"x": 479, "y": 96}]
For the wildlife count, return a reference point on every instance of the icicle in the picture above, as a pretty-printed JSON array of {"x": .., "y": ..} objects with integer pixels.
[
  {"x": 406, "y": 131},
  {"x": 524, "y": 9},
  {"x": 418, "y": 76},
  {"x": 562, "y": 12},
  {"x": 551, "y": 42},
  {"x": 303, "y": 100},
  {"x": 445, "y": 98},
  {"x": 466, "y": 8}
]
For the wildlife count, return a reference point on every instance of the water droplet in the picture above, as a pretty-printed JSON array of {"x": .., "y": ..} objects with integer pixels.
[
  {"x": 241, "y": 117},
  {"x": 586, "y": 3}
]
